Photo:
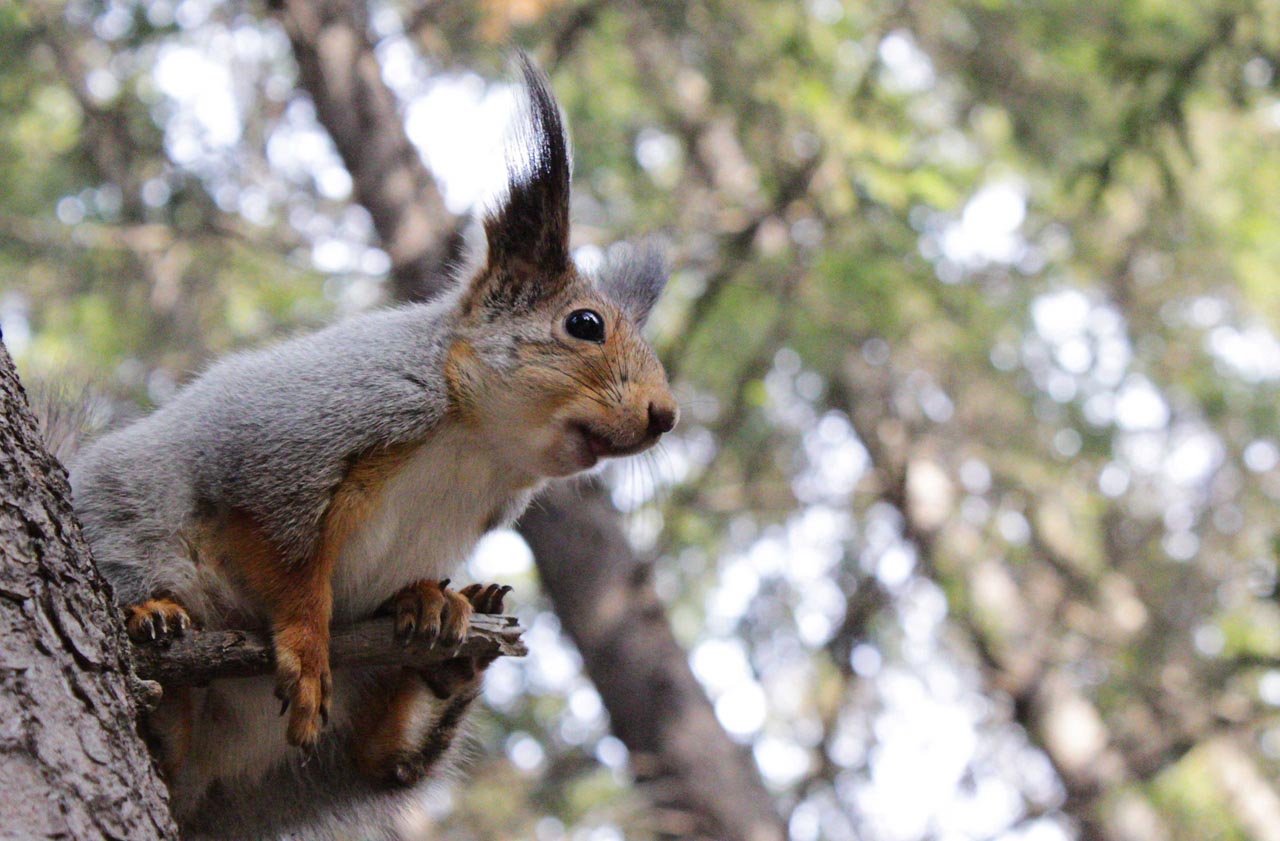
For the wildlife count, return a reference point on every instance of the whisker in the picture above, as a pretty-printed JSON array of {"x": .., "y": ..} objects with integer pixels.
[
  {"x": 592, "y": 391},
  {"x": 592, "y": 387},
  {"x": 617, "y": 379},
  {"x": 637, "y": 489},
  {"x": 651, "y": 489},
  {"x": 604, "y": 369},
  {"x": 662, "y": 463}
]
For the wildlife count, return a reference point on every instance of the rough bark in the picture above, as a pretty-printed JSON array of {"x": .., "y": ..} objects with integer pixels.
[
  {"x": 71, "y": 762},
  {"x": 699, "y": 781}
]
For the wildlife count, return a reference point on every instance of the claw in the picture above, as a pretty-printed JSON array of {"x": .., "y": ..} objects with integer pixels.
[
  {"x": 403, "y": 773},
  {"x": 486, "y": 599},
  {"x": 283, "y": 697},
  {"x": 494, "y": 597},
  {"x": 155, "y": 619}
]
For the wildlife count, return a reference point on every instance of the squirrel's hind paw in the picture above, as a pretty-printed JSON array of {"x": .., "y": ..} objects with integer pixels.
[{"x": 156, "y": 619}]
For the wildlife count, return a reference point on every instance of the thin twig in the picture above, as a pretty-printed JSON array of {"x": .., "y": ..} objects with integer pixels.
[{"x": 201, "y": 656}]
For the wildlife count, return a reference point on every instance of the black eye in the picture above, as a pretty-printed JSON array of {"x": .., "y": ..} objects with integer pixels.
[{"x": 587, "y": 325}]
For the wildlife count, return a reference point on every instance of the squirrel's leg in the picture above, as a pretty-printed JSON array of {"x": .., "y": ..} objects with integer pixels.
[
  {"x": 298, "y": 599},
  {"x": 300, "y": 631},
  {"x": 168, "y": 729},
  {"x": 400, "y": 739},
  {"x": 168, "y": 726},
  {"x": 298, "y": 595}
]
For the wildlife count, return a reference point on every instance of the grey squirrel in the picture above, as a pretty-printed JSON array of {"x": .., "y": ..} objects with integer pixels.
[{"x": 328, "y": 477}]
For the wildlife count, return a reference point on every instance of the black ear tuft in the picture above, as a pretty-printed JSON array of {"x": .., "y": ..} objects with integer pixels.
[
  {"x": 633, "y": 277},
  {"x": 531, "y": 225}
]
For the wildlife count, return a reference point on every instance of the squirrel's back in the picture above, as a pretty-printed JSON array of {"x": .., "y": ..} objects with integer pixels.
[{"x": 269, "y": 431}]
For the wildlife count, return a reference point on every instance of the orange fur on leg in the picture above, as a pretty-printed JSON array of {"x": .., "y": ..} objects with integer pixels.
[
  {"x": 168, "y": 729},
  {"x": 298, "y": 596},
  {"x": 298, "y": 600},
  {"x": 400, "y": 739},
  {"x": 400, "y": 736}
]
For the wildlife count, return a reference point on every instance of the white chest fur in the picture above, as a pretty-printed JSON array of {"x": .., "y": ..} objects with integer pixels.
[{"x": 427, "y": 518}]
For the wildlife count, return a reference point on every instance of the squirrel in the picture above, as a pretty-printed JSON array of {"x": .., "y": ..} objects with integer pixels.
[{"x": 344, "y": 473}]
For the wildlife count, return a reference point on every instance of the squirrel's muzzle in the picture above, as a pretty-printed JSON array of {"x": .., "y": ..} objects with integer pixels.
[
  {"x": 662, "y": 418},
  {"x": 605, "y": 442}
]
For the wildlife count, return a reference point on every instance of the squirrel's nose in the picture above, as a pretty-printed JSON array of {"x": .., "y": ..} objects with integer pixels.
[{"x": 662, "y": 418}]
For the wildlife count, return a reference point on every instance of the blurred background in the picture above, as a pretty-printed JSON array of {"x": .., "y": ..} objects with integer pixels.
[{"x": 967, "y": 530}]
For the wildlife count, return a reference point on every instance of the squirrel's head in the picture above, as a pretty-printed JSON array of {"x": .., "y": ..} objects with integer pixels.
[{"x": 546, "y": 362}]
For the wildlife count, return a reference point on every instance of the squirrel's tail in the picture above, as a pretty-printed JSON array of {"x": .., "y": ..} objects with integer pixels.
[{"x": 66, "y": 416}]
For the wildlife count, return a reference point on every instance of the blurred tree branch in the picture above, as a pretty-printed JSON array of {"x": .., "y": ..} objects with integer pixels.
[
  {"x": 338, "y": 68},
  {"x": 606, "y": 601}
]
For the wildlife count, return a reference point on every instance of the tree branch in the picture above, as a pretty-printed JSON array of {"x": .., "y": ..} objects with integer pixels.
[
  {"x": 338, "y": 68},
  {"x": 686, "y": 762},
  {"x": 202, "y": 656}
]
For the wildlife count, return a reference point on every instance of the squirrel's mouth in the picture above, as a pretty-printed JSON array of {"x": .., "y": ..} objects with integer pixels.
[{"x": 596, "y": 444}]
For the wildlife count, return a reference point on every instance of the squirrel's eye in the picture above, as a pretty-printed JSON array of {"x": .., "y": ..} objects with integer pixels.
[{"x": 587, "y": 325}]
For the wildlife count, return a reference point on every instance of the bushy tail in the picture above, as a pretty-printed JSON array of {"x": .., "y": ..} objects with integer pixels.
[{"x": 67, "y": 417}]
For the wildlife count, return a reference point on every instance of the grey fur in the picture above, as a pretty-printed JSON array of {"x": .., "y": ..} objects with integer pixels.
[
  {"x": 634, "y": 275},
  {"x": 269, "y": 432},
  {"x": 66, "y": 415}
]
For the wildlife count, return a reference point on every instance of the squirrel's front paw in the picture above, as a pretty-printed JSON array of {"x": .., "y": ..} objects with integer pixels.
[
  {"x": 156, "y": 619},
  {"x": 304, "y": 686},
  {"x": 430, "y": 610},
  {"x": 486, "y": 598},
  {"x": 445, "y": 679}
]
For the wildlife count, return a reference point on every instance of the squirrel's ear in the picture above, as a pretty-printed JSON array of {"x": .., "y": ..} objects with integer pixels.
[
  {"x": 634, "y": 275},
  {"x": 529, "y": 228}
]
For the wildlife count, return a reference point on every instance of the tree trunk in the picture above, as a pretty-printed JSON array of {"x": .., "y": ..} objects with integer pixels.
[{"x": 72, "y": 764}]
